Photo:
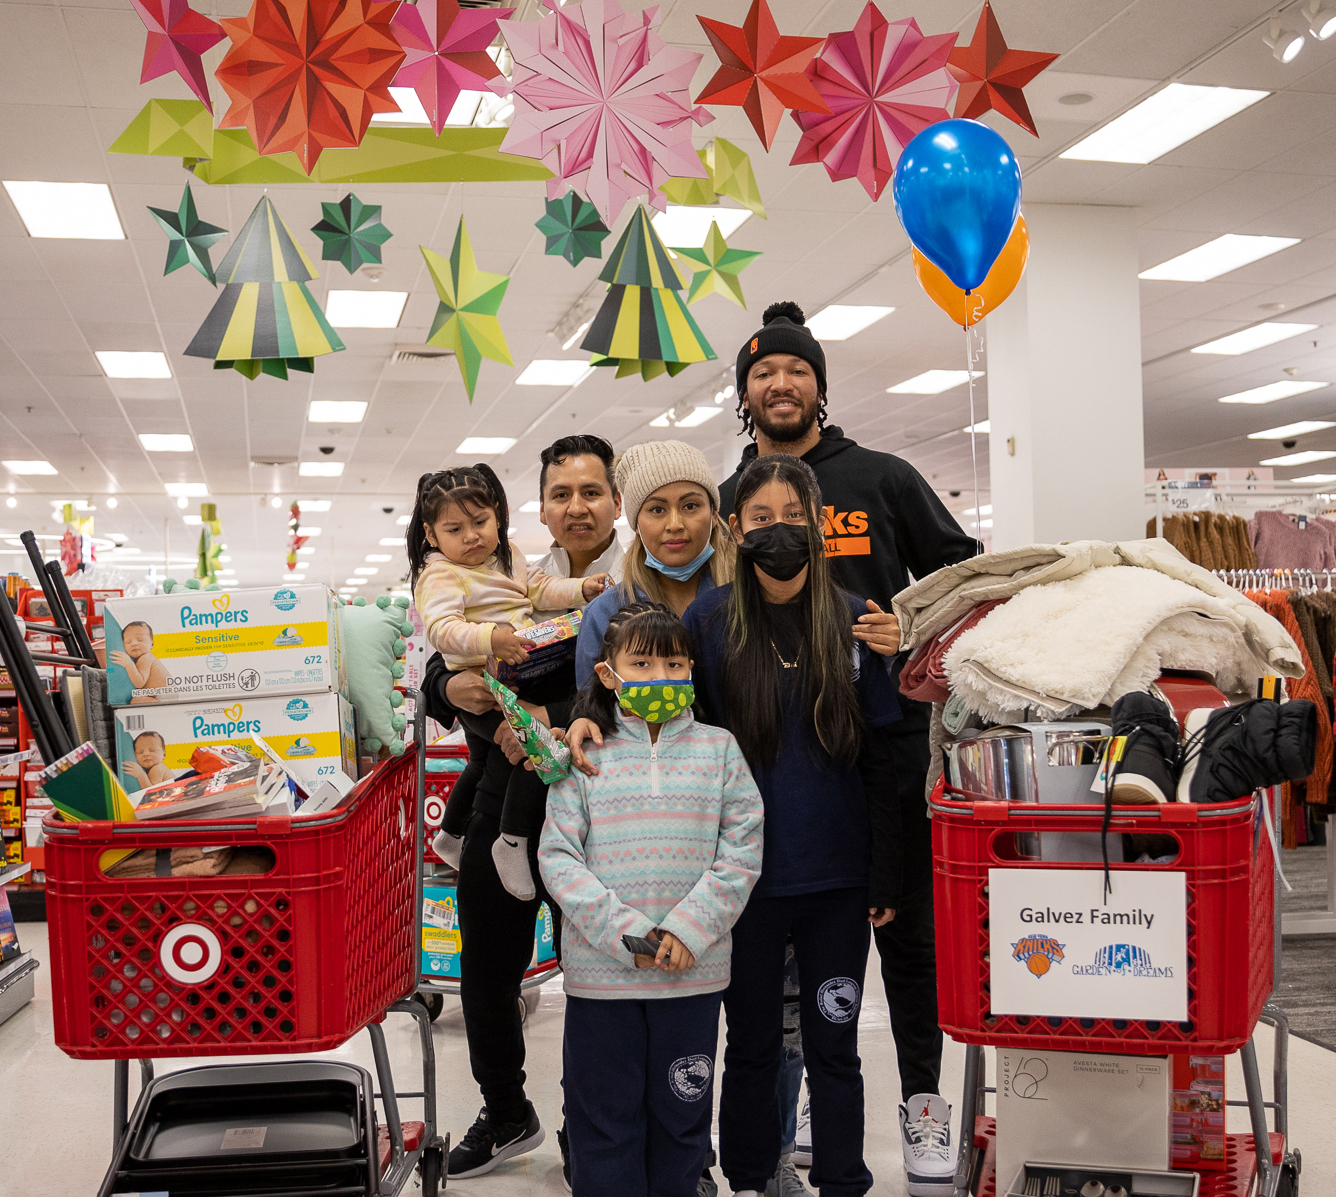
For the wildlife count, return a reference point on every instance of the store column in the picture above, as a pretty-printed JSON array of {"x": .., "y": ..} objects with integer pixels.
[{"x": 1065, "y": 452}]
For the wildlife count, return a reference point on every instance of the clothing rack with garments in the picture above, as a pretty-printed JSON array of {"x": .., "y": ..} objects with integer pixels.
[{"x": 1303, "y": 600}]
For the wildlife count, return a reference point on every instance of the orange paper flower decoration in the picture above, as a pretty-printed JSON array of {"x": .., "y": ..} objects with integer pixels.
[{"x": 308, "y": 75}]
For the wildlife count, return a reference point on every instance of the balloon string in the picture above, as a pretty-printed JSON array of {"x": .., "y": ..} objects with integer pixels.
[{"x": 971, "y": 356}]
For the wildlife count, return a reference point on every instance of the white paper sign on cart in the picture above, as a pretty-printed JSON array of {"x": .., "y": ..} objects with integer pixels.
[{"x": 1058, "y": 948}]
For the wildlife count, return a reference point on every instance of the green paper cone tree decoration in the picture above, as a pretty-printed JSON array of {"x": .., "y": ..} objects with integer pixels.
[
  {"x": 572, "y": 228},
  {"x": 466, "y": 320},
  {"x": 643, "y": 326},
  {"x": 210, "y": 543},
  {"x": 717, "y": 267},
  {"x": 351, "y": 233},
  {"x": 265, "y": 321},
  {"x": 189, "y": 238},
  {"x": 731, "y": 177}
]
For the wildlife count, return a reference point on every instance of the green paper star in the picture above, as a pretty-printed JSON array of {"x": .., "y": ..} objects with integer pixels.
[
  {"x": 188, "y": 237},
  {"x": 275, "y": 367},
  {"x": 730, "y": 176},
  {"x": 719, "y": 267},
  {"x": 466, "y": 320},
  {"x": 351, "y": 233},
  {"x": 572, "y": 228}
]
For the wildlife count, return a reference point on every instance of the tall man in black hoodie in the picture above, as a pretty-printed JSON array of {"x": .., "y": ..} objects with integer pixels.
[{"x": 883, "y": 522}]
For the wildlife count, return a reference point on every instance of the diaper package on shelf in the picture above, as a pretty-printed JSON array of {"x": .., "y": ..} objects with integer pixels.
[
  {"x": 193, "y": 645},
  {"x": 312, "y": 734}
]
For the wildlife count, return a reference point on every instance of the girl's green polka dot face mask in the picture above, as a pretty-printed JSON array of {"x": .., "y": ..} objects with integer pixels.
[{"x": 655, "y": 702}]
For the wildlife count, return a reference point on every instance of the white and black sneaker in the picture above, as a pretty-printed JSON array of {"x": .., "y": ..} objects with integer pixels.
[
  {"x": 1148, "y": 771},
  {"x": 802, "y": 1139},
  {"x": 489, "y": 1143},
  {"x": 564, "y": 1143},
  {"x": 925, "y": 1139}
]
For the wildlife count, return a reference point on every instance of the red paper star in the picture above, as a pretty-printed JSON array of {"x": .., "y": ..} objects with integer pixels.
[
  {"x": 177, "y": 36},
  {"x": 760, "y": 71},
  {"x": 991, "y": 74},
  {"x": 307, "y": 75}
]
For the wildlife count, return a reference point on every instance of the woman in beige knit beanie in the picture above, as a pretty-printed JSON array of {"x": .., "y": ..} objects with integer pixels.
[{"x": 682, "y": 548}]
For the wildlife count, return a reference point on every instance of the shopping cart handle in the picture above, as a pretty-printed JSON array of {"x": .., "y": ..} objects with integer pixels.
[
  {"x": 273, "y": 824},
  {"x": 1178, "y": 812},
  {"x": 991, "y": 812},
  {"x": 95, "y": 829}
]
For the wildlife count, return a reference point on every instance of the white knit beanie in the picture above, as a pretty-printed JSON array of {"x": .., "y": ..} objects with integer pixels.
[{"x": 644, "y": 468}]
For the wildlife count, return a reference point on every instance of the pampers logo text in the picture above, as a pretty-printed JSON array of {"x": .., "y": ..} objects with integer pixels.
[
  {"x": 1121, "y": 960},
  {"x": 212, "y": 619},
  {"x": 229, "y": 727}
]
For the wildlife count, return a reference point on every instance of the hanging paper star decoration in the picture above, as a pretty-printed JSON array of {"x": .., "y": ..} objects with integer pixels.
[
  {"x": 307, "y": 75},
  {"x": 730, "y": 175},
  {"x": 572, "y": 228},
  {"x": 602, "y": 100},
  {"x": 177, "y": 36},
  {"x": 210, "y": 543},
  {"x": 643, "y": 327},
  {"x": 761, "y": 71},
  {"x": 884, "y": 82},
  {"x": 445, "y": 52},
  {"x": 466, "y": 320},
  {"x": 189, "y": 238},
  {"x": 718, "y": 267},
  {"x": 991, "y": 74},
  {"x": 351, "y": 233}
]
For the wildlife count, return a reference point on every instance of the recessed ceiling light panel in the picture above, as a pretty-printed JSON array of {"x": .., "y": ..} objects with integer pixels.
[
  {"x": 1217, "y": 257},
  {"x": 119, "y": 364},
  {"x": 1257, "y": 337},
  {"x": 1298, "y": 459},
  {"x": 365, "y": 309},
  {"x": 70, "y": 211},
  {"x": 840, "y": 321},
  {"x": 320, "y": 469},
  {"x": 187, "y": 490},
  {"x": 983, "y": 427},
  {"x": 1271, "y": 392},
  {"x": 166, "y": 442},
  {"x": 484, "y": 446},
  {"x": 554, "y": 372},
  {"x": 30, "y": 467},
  {"x": 932, "y": 382},
  {"x": 329, "y": 411},
  {"x": 689, "y": 226},
  {"x": 1285, "y": 431}
]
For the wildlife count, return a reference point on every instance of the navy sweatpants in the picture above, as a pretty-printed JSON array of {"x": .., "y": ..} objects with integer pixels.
[
  {"x": 639, "y": 1085},
  {"x": 830, "y": 941}
]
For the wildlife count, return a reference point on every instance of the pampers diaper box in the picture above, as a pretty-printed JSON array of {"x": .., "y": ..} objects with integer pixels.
[
  {"x": 313, "y": 733},
  {"x": 192, "y": 645}
]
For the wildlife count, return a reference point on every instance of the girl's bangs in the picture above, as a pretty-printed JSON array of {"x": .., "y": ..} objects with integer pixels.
[
  {"x": 469, "y": 499},
  {"x": 657, "y": 634}
]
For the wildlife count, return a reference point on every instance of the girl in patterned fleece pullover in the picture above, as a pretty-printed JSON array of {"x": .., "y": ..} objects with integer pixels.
[{"x": 663, "y": 843}]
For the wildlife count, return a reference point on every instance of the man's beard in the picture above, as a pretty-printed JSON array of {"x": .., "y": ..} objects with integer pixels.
[{"x": 787, "y": 434}]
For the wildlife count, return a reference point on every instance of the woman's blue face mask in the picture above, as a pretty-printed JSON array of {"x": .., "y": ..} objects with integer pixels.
[{"x": 680, "y": 573}]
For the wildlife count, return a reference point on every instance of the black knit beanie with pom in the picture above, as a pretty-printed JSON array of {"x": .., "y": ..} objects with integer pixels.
[{"x": 783, "y": 330}]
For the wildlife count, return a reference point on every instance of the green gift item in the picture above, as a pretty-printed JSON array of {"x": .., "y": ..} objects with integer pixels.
[{"x": 551, "y": 758}]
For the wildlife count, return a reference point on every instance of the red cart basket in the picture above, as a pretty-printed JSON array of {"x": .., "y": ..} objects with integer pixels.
[
  {"x": 295, "y": 959},
  {"x": 1223, "y": 850}
]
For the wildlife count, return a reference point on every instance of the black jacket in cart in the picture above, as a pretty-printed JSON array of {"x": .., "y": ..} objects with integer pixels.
[{"x": 883, "y": 520}]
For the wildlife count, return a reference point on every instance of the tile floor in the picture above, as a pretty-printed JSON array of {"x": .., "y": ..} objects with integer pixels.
[{"x": 56, "y": 1137}]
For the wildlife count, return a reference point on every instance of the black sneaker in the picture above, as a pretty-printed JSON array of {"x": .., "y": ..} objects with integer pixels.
[
  {"x": 1229, "y": 752},
  {"x": 707, "y": 1186},
  {"x": 564, "y": 1142},
  {"x": 488, "y": 1143},
  {"x": 1147, "y": 772}
]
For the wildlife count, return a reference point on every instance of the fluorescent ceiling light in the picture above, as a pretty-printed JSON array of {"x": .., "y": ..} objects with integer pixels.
[
  {"x": 1316, "y": 478},
  {"x": 365, "y": 309},
  {"x": 484, "y": 446},
  {"x": 226, "y": 573},
  {"x": 294, "y": 577},
  {"x": 410, "y": 111},
  {"x": 1271, "y": 392},
  {"x": 305, "y": 531},
  {"x": 1218, "y": 257},
  {"x": 402, "y": 521},
  {"x": 528, "y": 508},
  {"x": 986, "y": 509},
  {"x": 983, "y": 524},
  {"x": 67, "y": 210},
  {"x": 932, "y": 382},
  {"x": 328, "y": 411},
  {"x": 1288, "y": 430},
  {"x": 396, "y": 541},
  {"x": 166, "y": 442},
  {"x": 840, "y": 321},
  {"x": 354, "y": 581},
  {"x": 1257, "y": 337},
  {"x": 379, "y": 557},
  {"x": 320, "y": 469},
  {"x": 1163, "y": 122},
  {"x": 366, "y": 570},
  {"x": 227, "y": 582},
  {"x": 1298, "y": 459},
  {"x": 689, "y": 226},
  {"x": 313, "y": 505},
  {"x": 30, "y": 467},
  {"x": 193, "y": 520},
  {"x": 306, "y": 550},
  {"x": 187, "y": 490},
  {"x": 697, "y": 416},
  {"x": 983, "y": 427},
  {"x": 118, "y": 364},
  {"x": 554, "y": 372}
]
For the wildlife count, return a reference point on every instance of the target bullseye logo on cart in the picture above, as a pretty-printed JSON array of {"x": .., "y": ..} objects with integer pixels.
[
  {"x": 433, "y": 810},
  {"x": 190, "y": 953}
]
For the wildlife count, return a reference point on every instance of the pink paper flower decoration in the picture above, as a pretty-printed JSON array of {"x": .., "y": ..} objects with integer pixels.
[
  {"x": 445, "y": 52},
  {"x": 884, "y": 82},
  {"x": 177, "y": 36},
  {"x": 602, "y": 100}
]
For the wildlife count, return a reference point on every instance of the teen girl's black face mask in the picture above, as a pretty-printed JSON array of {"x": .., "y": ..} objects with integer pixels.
[{"x": 779, "y": 550}]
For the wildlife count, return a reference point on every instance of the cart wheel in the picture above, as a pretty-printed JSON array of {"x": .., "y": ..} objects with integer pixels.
[
  {"x": 435, "y": 1004},
  {"x": 430, "y": 1167},
  {"x": 1289, "y": 1180}
]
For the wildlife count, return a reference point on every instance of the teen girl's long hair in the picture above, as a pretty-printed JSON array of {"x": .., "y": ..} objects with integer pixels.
[
  {"x": 648, "y": 628},
  {"x": 471, "y": 488},
  {"x": 826, "y": 654}
]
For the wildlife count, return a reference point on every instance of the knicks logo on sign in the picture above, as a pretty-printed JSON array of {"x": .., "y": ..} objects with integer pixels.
[
  {"x": 1038, "y": 953},
  {"x": 845, "y": 534}
]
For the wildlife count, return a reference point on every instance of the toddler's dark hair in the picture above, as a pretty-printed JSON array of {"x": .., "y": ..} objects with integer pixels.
[
  {"x": 643, "y": 627},
  {"x": 469, "y": 488}
]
